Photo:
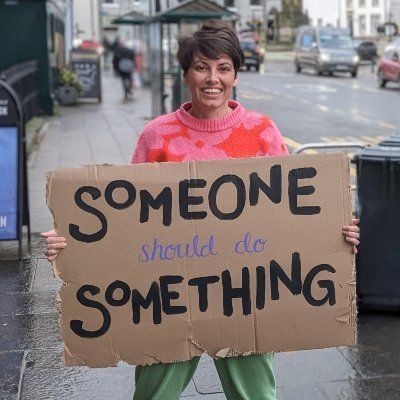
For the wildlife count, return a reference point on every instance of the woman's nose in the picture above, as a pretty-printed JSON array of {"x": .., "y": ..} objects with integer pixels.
[{"x": 212, "y": 77}]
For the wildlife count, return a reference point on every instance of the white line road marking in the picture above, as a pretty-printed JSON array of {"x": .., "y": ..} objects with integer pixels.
[
  {"x": 360, "y": 118},
  {"x": 341, "y": 112},
  {"x": 323, "y": 108},
  {"x": 370, "y": 139},
  {"x": 386, "y": 125},
  {"x": 254, "y": 96}
]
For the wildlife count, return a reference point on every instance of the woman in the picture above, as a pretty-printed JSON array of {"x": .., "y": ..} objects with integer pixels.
[{"x": 210, "y": 127}]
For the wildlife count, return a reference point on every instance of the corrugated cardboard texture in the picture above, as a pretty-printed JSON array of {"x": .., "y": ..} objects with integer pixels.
[{"x": 287, "y": 243}]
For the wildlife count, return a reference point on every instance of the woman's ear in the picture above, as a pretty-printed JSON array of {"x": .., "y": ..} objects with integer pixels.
[{"x": 235, "y": 82}]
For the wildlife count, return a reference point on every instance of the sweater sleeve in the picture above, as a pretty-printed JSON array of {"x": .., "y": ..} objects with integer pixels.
[
  {"x": 277, "y": 146},
  {"x": 146, "y": 141},
  {"x": 140, "y": 153}
]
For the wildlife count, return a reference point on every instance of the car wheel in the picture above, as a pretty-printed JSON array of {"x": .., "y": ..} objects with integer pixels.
[
  {"x": 381, "y": 81},
  {"x": 248, "y": 67},
  {"x": 354, "y": 74},
  {"x": 257, "y": 67},
  {"x": 318, "y": 71},
  {"x": 297, "y": 67}
]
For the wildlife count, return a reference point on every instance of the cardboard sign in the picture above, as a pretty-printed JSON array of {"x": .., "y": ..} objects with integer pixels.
[{"x": 232, "y": 257}]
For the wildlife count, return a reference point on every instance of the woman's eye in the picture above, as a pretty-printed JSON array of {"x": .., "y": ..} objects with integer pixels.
[
  {"x": 200, "y": 68},
  {"x": 225, "y": 69}
]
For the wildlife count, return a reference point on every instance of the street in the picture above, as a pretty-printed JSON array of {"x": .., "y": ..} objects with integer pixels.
[
  {"x": 306, "y": 108},
  {"x": 309, "y": 108}
]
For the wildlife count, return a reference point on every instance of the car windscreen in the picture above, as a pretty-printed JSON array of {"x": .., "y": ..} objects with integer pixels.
[
  {"x": 248, "y": 45},
  {"x": 335, "y": 41}
]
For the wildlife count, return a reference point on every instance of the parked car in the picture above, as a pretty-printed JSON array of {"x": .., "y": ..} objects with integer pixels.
[
  {"x": 253, "y": 54},
  {"x": 326, "y": 50},
  {"x": 366, "y": 50},
  {"x": 389, "y": 67}
]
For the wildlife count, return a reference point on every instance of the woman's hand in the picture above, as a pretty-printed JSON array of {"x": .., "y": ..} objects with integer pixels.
[
  {"x": 54, "y": 244},
  {"x": 352, "y": 234}
]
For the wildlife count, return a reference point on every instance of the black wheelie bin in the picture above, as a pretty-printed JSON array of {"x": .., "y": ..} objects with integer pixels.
[{"x": 378, "y": 207}]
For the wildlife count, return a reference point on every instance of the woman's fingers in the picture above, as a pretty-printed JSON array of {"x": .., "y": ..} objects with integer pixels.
[
  {"x": 351, "y": 234},
  {"x": 51, "y": 252},
  {"x": 55, "y": 239},
  {"x": 56, "y": 246},
  {"x": 353, "y": 241},
  {"x": 351, "y": 228},
  {"x": 50, "y": 233},
  {"x": 354, "y": 250},
  {"x": 52, "y": 258}
]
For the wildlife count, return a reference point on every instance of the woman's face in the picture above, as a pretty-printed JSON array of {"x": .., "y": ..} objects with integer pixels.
[{"x": 210, "y": 83}]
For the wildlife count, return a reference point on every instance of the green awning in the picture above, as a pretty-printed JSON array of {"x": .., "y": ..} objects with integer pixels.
[
  {"x": 194, "y": 10},
  {"x": 130, "y": 18}
]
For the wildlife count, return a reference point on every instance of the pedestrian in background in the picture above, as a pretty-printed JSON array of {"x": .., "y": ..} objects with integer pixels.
[
  {"x": 211, "y": 126},
  {"x": 124, "y": 65}
]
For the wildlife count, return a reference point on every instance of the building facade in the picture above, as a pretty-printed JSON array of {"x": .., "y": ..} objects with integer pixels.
[
  {"x": 86, "y": 20},
  {"x": 361, "y": 17}
]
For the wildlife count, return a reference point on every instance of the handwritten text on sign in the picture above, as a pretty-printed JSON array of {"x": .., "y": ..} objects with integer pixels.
[{"x": 227, "y": 244}]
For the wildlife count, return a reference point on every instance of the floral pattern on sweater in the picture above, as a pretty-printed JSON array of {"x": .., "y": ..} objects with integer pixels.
[{"x": 179, "y": 136}]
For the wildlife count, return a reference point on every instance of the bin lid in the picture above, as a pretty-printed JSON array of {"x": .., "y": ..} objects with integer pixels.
[
  {"x": 392, "y": 140},
  {"x": 379, "y": 153}
]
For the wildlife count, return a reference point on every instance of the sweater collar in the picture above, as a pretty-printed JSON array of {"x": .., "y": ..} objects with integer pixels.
[{"x": 214, "y": 124}]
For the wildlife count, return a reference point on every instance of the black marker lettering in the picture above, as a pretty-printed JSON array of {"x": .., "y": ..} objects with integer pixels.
[
  {"x": 112, "y": 287},
  {"x": 185, "y": 200},
  {"x": 77, "y": 325},
  {"x": 74, "y": 229},
  {"x": 293, "y": 283},
  {"x": 240, "y": 197},
  {"x": 167, "y": 295},
  {"x": 327, "y": 284},
  {"x": 229, "y": 293},
  {"x": 153, "y": 296},
  {"x": 273, "y": 191},
  {"x": 164, "y": 200},
  {"x": 294, "y": 190},
  {"x": 202, "y": 287},
  {"x": 130, "y": 189}
]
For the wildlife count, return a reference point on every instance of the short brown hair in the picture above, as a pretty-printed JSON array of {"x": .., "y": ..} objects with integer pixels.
[{"x": 212, "y": 40}]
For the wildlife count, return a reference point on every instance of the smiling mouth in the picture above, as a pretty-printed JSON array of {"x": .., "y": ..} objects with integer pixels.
[{"x": 211, "y": 90}]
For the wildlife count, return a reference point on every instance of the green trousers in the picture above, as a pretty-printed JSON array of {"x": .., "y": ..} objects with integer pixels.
[{"x": 242, "y": 378}]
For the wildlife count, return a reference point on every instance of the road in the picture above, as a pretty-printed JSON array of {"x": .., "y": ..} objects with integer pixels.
[{"x": 309, "y": 108}]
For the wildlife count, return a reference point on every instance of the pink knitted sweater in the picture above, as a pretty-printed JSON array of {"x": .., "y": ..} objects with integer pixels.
[{"x": 179, "y": 136}]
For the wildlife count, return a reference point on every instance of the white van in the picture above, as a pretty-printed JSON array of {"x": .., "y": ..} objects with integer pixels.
[{"x": 326, "y": 50}]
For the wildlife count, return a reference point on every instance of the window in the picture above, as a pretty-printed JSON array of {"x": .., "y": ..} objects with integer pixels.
[
  {"x": 361, "y": 3},
  {"x": 349, "y": 3},
  {"x": 361, "y": 25},
  {"x": 375, "y": 3},
  {"x": 229, "y": 3},
  {"x": 375, "y": 22},
  {"x": 255, "y": 2},
  {"x": 306, "y": 40}
]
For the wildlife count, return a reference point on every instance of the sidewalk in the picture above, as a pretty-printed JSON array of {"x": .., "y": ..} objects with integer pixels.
[{"x": 30, "y": 346}]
